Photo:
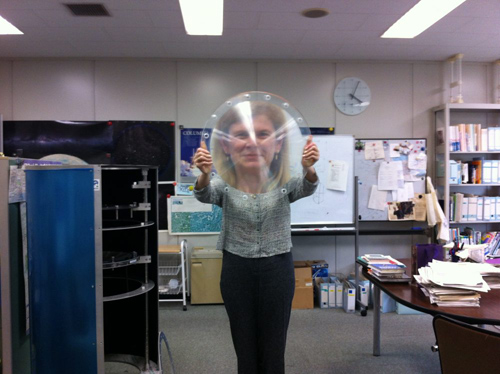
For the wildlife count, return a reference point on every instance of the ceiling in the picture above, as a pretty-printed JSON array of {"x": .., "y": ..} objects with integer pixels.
[{"x": 253, "y": 29}]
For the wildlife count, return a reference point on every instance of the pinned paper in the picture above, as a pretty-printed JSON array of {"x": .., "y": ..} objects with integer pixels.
[
  {"x": 189, "y": 204},
  {"x": 420, "y": 207},
  {"x": 184, "y": 189},
  {"x": 410, "y": 191},
  {"x": 337, "y": 175},
  {"x": 388, "y": 176},
  {"x": 401, "y": 211},
  {"x": 374, "y": 150},
  {"x": 378, "y": 199},
  {"x": 394, "y": 150},
  {"x": 417, "y": 161}
]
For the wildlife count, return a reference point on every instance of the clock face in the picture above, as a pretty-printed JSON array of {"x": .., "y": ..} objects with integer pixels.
[{"x": 352, "y": 96}]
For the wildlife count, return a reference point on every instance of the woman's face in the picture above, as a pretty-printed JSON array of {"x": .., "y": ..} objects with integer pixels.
[{"x": 252, "y": 147}]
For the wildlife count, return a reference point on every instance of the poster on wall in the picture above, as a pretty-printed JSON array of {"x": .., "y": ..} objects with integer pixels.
[
  {"x": 188, "y": 216},
  {"x": 190, "y": 141},
  {"x": 95, "y": 142}
]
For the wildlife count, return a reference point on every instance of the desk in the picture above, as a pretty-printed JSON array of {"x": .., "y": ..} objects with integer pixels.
[{"x": 411, "y": 296}]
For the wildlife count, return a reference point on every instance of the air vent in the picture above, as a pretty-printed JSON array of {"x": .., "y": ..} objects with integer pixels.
[
  {"x": 315, "y": 13},
  {"x": 88, "y": 10}
]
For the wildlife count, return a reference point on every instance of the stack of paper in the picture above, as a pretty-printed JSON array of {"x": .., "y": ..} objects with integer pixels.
[
  {"x": 454, "y": 283},
  {"x": 490, "y": 274}
]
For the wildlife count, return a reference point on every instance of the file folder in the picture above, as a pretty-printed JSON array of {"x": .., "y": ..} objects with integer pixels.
[{"x": 349, "y": 299}]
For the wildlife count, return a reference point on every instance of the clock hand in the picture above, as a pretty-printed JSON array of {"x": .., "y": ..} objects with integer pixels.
[
  {"x": 354, "y": 97},
  {"x": 355, "y": 88}
]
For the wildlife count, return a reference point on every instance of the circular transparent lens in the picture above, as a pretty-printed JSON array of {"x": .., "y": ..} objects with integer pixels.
[{"x": 256, "y": 142}]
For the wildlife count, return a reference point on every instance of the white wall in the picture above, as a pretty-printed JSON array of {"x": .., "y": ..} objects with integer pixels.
[{"x": 187, "y": 92}]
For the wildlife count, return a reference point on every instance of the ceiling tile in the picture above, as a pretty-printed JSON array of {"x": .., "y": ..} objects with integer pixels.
[
  {"x": 23, "y": 18},
  {"x": 289, "y": 21},
  {"x": 63, "y": 18}
]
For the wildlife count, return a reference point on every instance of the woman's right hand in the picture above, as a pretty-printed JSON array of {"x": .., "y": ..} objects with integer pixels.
[{"x": 203, "y": 159}]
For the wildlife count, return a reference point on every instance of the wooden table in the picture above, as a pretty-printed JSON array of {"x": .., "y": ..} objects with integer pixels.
[{"x": 411, "y": 296}]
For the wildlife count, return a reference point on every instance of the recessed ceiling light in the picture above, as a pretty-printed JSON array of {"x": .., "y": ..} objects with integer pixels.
[
  {"x": 419, "y": 18},
  {"x": 7, "y": 28},
  {"x": 202, "y": 17},
  {"x": 315, "y": 12}
]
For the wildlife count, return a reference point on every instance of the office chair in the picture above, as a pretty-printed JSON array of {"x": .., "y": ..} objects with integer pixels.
[{"x": 465, "y": 348}]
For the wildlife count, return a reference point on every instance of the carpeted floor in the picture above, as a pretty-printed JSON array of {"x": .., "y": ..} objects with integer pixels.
[{"x": 320, "y": 341}]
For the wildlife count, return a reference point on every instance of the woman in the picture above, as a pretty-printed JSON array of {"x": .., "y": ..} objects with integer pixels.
[{"x": 257, "y": 280}]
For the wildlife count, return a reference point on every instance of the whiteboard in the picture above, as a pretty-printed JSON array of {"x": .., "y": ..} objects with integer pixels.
[
  {"x": 367, "y": 172},
  {"x": 325, "y": 206}
]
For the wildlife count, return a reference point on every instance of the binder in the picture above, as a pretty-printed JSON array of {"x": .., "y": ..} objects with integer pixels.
[
  {"x": 491, "y": 139},
  {"x": 322, "y": 289},
  {"x": 497, "y": 208},
  {"x": 484, "y": 140},
  {"x": 480, "y": 209},
  {"x": 493, "y": 208},
  {"x": 472, "y": 210},
  {"x": 494, "y": 171},
  {"x": 349, "y": 297},
  {"x": 465, "y": 209},
  {"x": 497, "y": 138},
  {"x": 486, "y": 208},
  {"x": 487, "y": 165},
  {"x": 332, "y": 294},
  {"x": 363, "y": 294},
  {"x": 458, "y": 206},
  {"x": 339, "y": 294}
]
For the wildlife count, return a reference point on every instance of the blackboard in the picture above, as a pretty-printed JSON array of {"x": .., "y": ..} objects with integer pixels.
[
  {"x": 367, "y": 172},
  {"x": 327, "y": 206}
]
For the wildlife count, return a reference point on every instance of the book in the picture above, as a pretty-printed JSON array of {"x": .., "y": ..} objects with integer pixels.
[
  {"x": 384, "y": 267},
  {"x": 404, "y": 279}
]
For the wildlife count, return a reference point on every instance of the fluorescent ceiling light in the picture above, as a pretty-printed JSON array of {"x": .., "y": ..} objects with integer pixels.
[
  {"x": 202, "y": 17},
  {"x": 7, "y": 28},
  {"x": 419, "y": 18}
]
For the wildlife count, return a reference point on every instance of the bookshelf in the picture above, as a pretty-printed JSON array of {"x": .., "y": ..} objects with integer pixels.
[{"x": 446, "y": 116}]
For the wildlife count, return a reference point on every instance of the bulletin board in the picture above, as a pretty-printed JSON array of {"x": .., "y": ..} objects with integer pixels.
[{"x": 367, "y": 171}]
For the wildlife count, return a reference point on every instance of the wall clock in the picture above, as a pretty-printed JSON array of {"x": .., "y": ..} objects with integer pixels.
[{"x": 352, "y": 96}]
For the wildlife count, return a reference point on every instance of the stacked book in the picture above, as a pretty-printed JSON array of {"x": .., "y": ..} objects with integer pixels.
[
  {"x": 384, "y": 268},
  {"x": 453, "y": 284}
]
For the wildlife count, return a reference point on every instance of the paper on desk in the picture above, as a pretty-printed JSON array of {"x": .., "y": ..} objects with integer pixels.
[
  {"x": 388, "y": 173},
  {"x": 374, "y": 150},
  {"x": 337, "y": 175},
  {"x": 453, "y": 274},
  {"x": 378, "y": 199}
]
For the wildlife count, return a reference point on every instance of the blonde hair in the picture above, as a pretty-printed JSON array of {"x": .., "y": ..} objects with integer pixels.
[{"x": 280, "y": 166}]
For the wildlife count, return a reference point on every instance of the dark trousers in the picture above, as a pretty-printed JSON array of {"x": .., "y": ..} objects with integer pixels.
[{"x": 258, "y": 295}]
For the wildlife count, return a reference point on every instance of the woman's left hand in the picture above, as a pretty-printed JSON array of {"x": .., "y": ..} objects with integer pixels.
[{"x": 310, "y": 155}]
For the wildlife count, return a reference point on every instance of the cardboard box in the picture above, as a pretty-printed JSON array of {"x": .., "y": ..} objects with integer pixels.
[{"x": 304, "y": 297}]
